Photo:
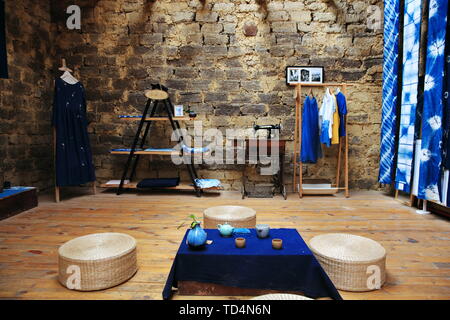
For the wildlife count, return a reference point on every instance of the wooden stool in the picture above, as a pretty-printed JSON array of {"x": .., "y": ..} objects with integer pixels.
[
  {"x": 353, "y": 263},
  {"x": 238, "y": 217}
]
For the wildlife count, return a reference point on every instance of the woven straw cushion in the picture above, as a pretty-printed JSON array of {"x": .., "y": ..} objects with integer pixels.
[
  {"x": 97, "y": 261},
  {"x": 281, "y": 296},
  {"x": 352, "y": 262},
  {"x": 238, "y": 217}
]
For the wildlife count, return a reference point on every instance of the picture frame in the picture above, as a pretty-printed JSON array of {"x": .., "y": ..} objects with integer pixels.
[
  {"x": 179, "y": 111},
  {"x": 304, "y": 74}
]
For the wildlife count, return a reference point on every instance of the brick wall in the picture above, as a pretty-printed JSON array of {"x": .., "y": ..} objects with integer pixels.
[
  {"x": 231, "y": 80},
  {"x": 25, "y": 98}
]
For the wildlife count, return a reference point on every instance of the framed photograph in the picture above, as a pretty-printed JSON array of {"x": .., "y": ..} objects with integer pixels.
[
  {"x": 179, "y": 111},
  {"x": 304, "y": 75},
  {"x": 292, "y": 75}
]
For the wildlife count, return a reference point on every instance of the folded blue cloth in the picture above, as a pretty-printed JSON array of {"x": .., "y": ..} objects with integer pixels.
[
  {"x": 137, "y": 149},
  {"x": 241, "y": 230},
  {"x": 130, "y": 116},
  {"x": 195, "y": 150},
  {"x": 161, "y": 150},
  {"x": 208, "y": 183}
]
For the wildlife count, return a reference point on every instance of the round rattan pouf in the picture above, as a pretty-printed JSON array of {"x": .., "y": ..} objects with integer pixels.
[
  {"x": 97, "y": 261},
  {"x": 281, "y": 296},
  {"x": 237, "y": 216},
  {"x": 353, "y": 263}
]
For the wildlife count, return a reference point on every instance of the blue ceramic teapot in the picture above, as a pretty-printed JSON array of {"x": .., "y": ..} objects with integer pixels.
[
  {"x": 226, "y": 230},
  {"x": 196, "y": 236}
]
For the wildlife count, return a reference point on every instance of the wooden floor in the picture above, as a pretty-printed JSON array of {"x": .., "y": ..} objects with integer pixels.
[{"x": 418, "y": 247}]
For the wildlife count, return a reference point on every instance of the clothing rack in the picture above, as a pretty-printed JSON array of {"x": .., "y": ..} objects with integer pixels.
[
  {"x": 298, "y": 165},
  {"x": 57, "y": 188}
]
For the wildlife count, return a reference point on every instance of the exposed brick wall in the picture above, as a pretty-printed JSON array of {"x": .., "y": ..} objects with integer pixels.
[
  {"x": 229, "y": 79},
  {"x": 25, "y": 98}
]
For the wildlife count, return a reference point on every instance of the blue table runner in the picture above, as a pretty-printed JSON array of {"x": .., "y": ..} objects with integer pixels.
[{"x": 258, "y": 266}]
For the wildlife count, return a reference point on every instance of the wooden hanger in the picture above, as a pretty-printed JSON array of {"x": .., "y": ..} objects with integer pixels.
[
  {"x": 67, "y": 76},
  {"x": 64, "y": 66}
]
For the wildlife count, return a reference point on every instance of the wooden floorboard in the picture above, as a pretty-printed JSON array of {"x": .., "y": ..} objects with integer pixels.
[{"x": 418, "y": 247}]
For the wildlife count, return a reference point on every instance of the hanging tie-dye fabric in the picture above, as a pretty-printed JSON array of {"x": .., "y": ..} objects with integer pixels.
[
  {"x": 390, "y": 82},
  {"x": 411, "y": 41},
  {"x": 431, "y": 155}
]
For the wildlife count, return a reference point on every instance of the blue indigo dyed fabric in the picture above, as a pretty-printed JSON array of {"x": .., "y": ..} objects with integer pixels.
[
  {"x": 310, "y": 131},
  {"x": 390, "y": 83},
  {"x": 73, "y": 151},
  {"x": 431, "y": 153},
  {"x": 411, "y": 44},
  {"x": 342, "y": 110},
  {"x": 257, "y": 266}
]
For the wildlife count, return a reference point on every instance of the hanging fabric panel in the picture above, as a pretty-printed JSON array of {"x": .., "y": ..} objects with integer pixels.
[
  {"x": 446, "y": 102},
  {"x": 3, "y": 55},
  {"x": 431, "y": 154},
  {"x": 390, "y": 83},
  {"x": 411, "y": 44}
]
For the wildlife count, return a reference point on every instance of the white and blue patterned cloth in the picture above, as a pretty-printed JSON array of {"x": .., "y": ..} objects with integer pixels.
[
  {"x": 208, "y": 183},
  {"x": 431, "y": 153},
  {"x": 390, "y": 82},
  {"x": 411, "y": 44}
]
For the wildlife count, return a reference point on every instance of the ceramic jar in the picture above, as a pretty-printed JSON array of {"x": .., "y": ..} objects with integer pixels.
[{"x": 196, "y": 237}]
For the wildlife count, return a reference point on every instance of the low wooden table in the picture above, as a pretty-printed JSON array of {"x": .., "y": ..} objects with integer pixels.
[
  {"x": 16, "y": 200},
  {"x": 219, "y": 268}
]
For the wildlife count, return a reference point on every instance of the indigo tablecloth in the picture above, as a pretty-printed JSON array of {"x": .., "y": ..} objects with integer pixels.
[{"x": 257, "y": 266}]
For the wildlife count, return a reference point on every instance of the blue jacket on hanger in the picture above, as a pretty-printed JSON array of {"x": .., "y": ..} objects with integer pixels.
[{"x": 310, "y": 149}]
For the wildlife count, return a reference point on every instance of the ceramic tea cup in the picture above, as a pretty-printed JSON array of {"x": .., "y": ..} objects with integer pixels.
[
  {"x": 240, "y": 242},
  {"x": 262, "y": 230},
  {"x": 277, "y": 244}
]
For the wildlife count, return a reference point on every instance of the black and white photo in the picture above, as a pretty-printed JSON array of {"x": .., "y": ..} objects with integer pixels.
[{"x": 304, "y": 75}]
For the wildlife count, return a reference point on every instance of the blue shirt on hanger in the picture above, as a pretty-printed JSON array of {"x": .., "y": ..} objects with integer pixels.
[{"x": 342, "y": 109}]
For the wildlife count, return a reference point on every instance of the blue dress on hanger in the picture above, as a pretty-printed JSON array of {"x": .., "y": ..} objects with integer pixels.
[
  {"x": 73, "y": 151},
  {"x": 310, "y": 150},
  {"x": 342, "y": 110}
]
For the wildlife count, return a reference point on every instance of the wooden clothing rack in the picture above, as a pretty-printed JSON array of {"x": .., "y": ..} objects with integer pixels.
[
  {"x": 57, "y": 188},
  {"x": 298, "y": 165}
]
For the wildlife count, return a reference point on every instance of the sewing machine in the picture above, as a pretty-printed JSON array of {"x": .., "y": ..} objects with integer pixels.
[
  {"x": 253, "y": 145},
  {"x": 268, "y": 127}
]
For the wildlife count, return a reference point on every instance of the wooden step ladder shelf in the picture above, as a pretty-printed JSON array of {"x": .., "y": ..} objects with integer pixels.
[
  {"x": 298, "y": 165},
  {"x": 156, "y": 97}
]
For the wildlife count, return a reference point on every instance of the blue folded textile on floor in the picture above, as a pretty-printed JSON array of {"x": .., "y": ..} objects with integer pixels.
[
  {"x": 257, "y": 266},
  {"x": 208, "y": 183},
  {"x": 130, "y": 116},
  {"x": 241, "y": 230},
  {"x": 159, "y": 183}
]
